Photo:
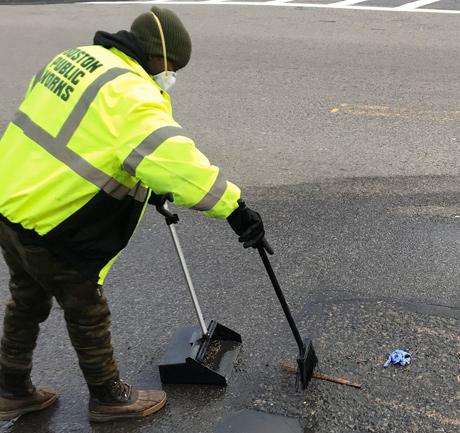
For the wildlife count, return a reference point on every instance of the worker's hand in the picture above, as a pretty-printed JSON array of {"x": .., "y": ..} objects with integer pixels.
[
  {"x": 159, "y": 200},
  {"x": 247, "y": 224}
]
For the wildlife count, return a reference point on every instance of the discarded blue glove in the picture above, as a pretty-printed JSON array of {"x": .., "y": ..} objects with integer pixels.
[{"x": 398, "y": 357}]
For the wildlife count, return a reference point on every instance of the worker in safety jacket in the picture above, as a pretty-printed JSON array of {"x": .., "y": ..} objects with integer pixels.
[{"x": 92, "y": 140}]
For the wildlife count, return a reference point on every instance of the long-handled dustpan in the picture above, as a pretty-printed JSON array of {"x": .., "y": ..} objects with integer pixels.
[
  {"x": 200, "y": 354},
  {"x": 307, "y": 360}
]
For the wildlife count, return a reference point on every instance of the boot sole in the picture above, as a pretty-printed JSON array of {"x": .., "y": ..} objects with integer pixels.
[
  {"x": 12, "y": 414},
  {"x": 100, "y": 417}
]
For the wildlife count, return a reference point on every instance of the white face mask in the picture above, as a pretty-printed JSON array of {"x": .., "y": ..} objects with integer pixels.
[{"x": 165, "y": 81}]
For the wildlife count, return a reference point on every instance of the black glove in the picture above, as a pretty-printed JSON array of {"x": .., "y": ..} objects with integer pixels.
[
  {"x": 160, "y": 199},
  {"x": 247, "y": 224}
]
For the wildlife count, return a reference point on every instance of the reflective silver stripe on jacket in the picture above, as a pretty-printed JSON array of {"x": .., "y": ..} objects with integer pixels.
[
  {"x": 139, "y": 192},
  {"x": 149, "y": 145},
  {"x": 57, "y": 146},
  {"x": 213, "y": 196}
]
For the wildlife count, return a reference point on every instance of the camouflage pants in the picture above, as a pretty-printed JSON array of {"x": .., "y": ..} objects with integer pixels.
[{"x": 36, "y": 276}]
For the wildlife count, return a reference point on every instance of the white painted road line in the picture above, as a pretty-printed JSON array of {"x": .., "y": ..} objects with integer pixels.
[
  {"x": 345, "y": 3},
  {"x": 415, "y": 4},
  {"x": 278, "y": 2},
  {"x": 356, "y": 6}
]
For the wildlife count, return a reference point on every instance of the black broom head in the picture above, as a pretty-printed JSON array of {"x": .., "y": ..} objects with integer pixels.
[{"x": 306, "y": 363}]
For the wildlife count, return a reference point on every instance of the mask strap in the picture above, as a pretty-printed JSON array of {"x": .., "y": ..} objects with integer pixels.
[{"x": 163, "y": 43}]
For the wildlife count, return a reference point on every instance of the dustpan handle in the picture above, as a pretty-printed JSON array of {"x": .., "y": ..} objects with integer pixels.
[
  {"x": 172, "y": 219},
  {"x": 188, "y": 278}
]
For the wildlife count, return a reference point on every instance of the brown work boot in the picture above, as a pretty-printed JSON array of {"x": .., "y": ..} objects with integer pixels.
[
  {"x": 118, "y": 400},
  {"x": 18, "y": 396}
]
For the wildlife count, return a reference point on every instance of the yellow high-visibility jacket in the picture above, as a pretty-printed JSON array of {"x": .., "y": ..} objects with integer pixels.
[{"x": 92, "y": 137}]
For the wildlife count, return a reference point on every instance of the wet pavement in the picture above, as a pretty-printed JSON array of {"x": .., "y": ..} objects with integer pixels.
[
  {"x": 368, "y": 266},
  {"x": 348, "y": 147},
  {"x": 258, "y": 422}
]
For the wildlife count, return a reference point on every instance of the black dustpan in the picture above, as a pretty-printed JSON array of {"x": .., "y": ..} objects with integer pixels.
[
  {"x": 200, "y": 354},
  {"x": 192, "y": 358}
]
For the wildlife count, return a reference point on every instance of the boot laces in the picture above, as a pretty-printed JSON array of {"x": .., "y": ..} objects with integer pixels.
[{"x": 121, "y": 390}]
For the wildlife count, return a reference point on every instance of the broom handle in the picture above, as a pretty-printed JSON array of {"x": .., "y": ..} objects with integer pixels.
[{"x": 281, "y": 298}]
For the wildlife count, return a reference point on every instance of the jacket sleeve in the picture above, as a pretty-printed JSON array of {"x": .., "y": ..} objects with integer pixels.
[{"x": 167, "y": 160}]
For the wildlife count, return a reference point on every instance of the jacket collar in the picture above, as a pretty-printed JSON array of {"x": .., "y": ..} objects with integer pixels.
[{"x": 125, "y": 42}]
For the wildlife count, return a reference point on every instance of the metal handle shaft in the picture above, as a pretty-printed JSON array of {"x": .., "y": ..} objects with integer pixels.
[
  {"x": 188, "y": 278},
  {"x": 281, "y": 298}
]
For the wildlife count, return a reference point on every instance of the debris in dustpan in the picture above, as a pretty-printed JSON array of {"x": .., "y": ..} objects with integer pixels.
[
  {"x": 218, "y": 350},
  {"x": 213, "y": 350},
  {"x": 320, "y": 376},
  {"x": 188, "y": 358},
  {"x": 398, "y": 357}
]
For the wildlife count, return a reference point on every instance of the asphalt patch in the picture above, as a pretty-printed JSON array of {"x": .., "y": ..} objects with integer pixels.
[{"x": 251, "y": 421}]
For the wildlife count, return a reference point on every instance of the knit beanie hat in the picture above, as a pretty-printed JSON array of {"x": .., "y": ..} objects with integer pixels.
[{"x": 177, "y": 39}]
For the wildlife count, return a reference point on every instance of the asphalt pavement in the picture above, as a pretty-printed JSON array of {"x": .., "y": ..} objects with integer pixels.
[{"x": 342, "y": 127}]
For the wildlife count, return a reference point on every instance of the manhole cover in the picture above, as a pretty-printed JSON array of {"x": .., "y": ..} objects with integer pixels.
[{"x": 252, "y": 421}]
